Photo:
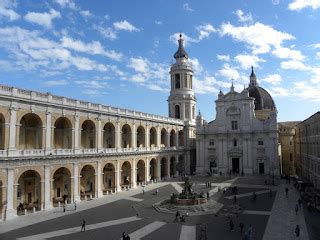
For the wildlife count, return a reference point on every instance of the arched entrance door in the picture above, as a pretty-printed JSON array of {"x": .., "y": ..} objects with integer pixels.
[
  {"x": 30, "y": 136},
  {"x": 87, "y": 182},
  {"x": 164, "y": 168},
  {"x": 181, "y": 138},
  {"x": 2, "y": 131},
  {"x": 61, "y": 186},
  {"x": 29, "y": 191},
  {"x": 153, "y": 169},
  {"x": 109, "y": 136},
  {"x": 126, "y": 136},
  {"x": 109, "y": 178},
  {"x": 172, "y": 138},
  {"x": 141, "y": 172},
  {"x": 88, "y": 134},
  {"x": 126, "y": 175},
  {"x": 62, "y": 133},
  {"x": 141, "y": 137}
]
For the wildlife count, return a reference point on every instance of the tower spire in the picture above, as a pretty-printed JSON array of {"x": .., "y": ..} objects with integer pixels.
[
  {"x": 253, "y": 78},
  {"x": 181, "y": 52}
]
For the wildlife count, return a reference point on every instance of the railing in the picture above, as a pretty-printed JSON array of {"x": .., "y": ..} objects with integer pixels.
[{"x": 86, "y": 151}]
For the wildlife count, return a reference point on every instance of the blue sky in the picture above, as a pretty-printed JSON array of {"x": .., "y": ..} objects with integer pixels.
[{"x": 119, "y": 53}]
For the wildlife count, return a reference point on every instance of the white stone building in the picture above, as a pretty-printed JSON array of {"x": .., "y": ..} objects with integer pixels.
[{"x": 243, "y": 138}]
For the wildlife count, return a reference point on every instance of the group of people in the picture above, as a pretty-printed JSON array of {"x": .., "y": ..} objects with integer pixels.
[
  {"x": 125, "y": 236},
  {"x": 180, "y": 217},
  {"x": 247, "y": 235}
]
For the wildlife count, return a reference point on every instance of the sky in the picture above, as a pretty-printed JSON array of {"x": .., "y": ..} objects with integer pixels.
[{"x": 119, "y": 53}]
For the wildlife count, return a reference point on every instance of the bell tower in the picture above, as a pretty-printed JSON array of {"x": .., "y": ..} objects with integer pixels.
[{"x": 182, "y": 102}]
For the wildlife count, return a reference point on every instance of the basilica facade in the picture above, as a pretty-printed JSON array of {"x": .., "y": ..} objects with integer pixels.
[{"x": 243, "y": 138}]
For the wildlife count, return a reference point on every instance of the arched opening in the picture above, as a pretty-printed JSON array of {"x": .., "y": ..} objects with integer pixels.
[
  {"x": 181, "y": 165},
  {"x": 164, "y": 142},
  {"x": 172, "y": 166},
  {"x": 2, "y": 132},
  {"x": 172, "y": 138},
  {"x": 29, "y": 192},
  {"x": 141, "y": 136},
  {"x": 109, "y": 135},
  {"x": 62, "y": 133},
  {"x": 88, "y": 134},
  {"x": 141, "y": 171},
  {"x": 126, "y": 174},
  {"x": 181, "y": 138},
  {"x": 109, "y": 178},
  {"x": 61, "y": 186},
  {"x": 153, "y": 137},
  {"x": 164, "y": 168},
  {"x": 87, "y": 182},
  {"x": 30, "y": 136},
  {"x": 153, "y": 169},
  {"x": 126, "y": 136},
  {"x": 177, "y": 80},
  {"x": 177, "y": 111}
]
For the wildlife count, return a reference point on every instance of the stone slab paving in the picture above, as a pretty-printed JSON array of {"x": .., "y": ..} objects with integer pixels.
[
  {"x": 188, "y": 233},
  {"x": 57, "y": 212},
  {"x": 283, "y": 220},
  {"x": 146, "y": 230}
]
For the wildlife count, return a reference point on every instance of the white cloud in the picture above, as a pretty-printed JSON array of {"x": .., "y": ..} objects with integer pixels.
[
  {"x": 7, "y": 11},
  {"x": 66, "y": 3},
  {"x": 85, "y": 13},
  {"x": 197, "y": 67},
  {"x": 107, "y": 17},
  {"x": 259, "y": 37},
  {"x": 53, "y": 83},
  {"x": 205, "y": 30},
  {"x": 282, "y": 52},
  {"x": 275, "y": 2},
  {"x": 106, "y": 32},
  {"x": 294, "y": 65},
  {"x": 139, "y": 64},
  {"x": 208, "y": 85},
  {"x": 43, "y": 19},
  {"x": 158, "y": 22},
  {"x": 279, "y": 92},
  {"x": 93, "y": 48},
  {"x": 125, "y": 26},
  {"x": 246, "y": 61},
  {"x": 274, "y": 79},
  {"x": 225, "y": 58},
  {"x": 297, "y": 5},
  {"x": 242, "y": 17},
  {"x": 187, "y": 7},
  {"x": 187, "y": 40},
  {"x": 307, "y": 91},
  {"x": 228, "y": 72},
  {"x": 315, "y": 46},
  {"x": 92, "y": 84}
]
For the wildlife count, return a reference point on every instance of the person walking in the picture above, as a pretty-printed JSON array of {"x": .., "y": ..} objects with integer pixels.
[
  {"x": 143, "y": 190},
  {"x": 299, "y": 202},
  {"x": 64, "y": 207},
  {"x": 235, "y": 199},
  {"x": 287, "y": 191},
  {"x": 297, "y": 231},
  {"x": 124, "y": 236},
  {"x": 231, "y": 225},
  {"x": 296, "y": 209},
  {"x": 75, "y": 205},
  {"x": 270, "y": 193},
  {"x": 83, "y": 226},
  {"x": 250, "y": 231},
  {"x": 241, "y": 225},
  {"x": 157, "y": 191}
]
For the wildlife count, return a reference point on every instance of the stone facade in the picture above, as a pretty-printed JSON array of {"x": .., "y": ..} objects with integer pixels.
[
  {"x": 307, "y": 141},
  {"x": 238, "y": 140},
  {"x": 287, "y": 153}
]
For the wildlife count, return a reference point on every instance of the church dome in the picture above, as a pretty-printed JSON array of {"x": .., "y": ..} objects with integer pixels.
[
  {"x": 181, "y": 53},
  {"x": 262, "y": 99}
]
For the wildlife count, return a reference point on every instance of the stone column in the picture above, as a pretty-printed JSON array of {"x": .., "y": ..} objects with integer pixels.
[
  {"x": 158, "y": 161},
  {"x": 183, "y": 111},
  {"x": 177, "y": 138},
  {"x": 158, "y": 136},
  {"x": 48, "y": 132},
  {"x": 77, "y": 134},
  {"x": 99, "y": 192},
  {"x": 117, "y": 137},
  {"x": 12, "y": 129},
  {"x": 168, "y": 139},
  {"x": 134, "y": 136},
  {"x": 10, "y": 211},
  {"x": 168, "y": 167},
  {"x": 118, "y": 177},
  {"x": 147, "y": 170},
  {"x": 47, "y": 188},
  {"x": 147, "y": 137},
  {"x": 134, "y": 174},
  {"x": 76, "y": 196},
  {"x": 99, "y": 135}
]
